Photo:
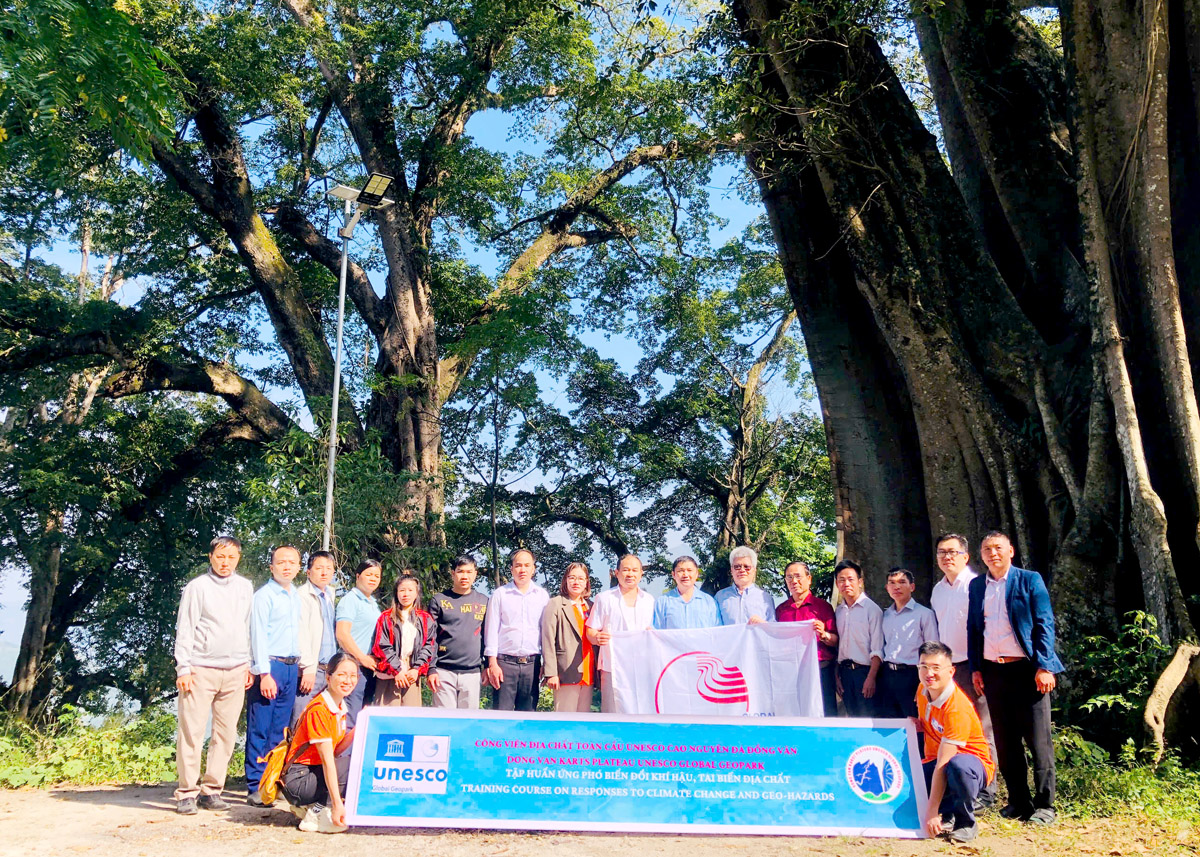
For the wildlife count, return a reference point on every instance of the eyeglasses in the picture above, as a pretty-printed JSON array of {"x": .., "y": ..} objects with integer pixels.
[
  {"x": 950, "y": 553},
  {"x": 935, "y": 669}
]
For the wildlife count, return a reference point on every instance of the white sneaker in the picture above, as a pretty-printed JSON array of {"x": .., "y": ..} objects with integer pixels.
[
  {"x": 309, "y": 823},
  {"x": 325, "y": 822},
  {"x": 298, "y": 811},
  {"x": 320, "y": 820}
]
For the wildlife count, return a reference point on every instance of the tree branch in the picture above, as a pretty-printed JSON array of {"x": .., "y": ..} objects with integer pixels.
[
  {"x": 326, "y": 252},
  {"x": 750, "y": 389},
  {"x": 202, "y": 376},
  {"x": 556, "y": 235},
  {"x": 229, "y": 199}
]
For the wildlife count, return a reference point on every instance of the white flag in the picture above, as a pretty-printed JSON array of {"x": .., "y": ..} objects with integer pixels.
[{"x": 765, "y": 669}]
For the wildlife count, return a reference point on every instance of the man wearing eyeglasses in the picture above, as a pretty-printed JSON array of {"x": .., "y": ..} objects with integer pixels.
[
  {"x": 950, "y": 600},
  {"x": 957, "y": 761}
]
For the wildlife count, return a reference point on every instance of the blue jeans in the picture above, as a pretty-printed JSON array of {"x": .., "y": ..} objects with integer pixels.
[
  {"x": 965, "y": 779},
  {"x": 267, "y": 718}
]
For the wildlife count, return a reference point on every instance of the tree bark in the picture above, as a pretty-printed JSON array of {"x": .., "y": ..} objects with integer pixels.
[
  {"x": 1027, "y": 315},
  {"x": 44, "y": 557}
]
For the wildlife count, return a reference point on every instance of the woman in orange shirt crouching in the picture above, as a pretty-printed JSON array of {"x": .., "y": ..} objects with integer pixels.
[{"x": 315, "y": 781}]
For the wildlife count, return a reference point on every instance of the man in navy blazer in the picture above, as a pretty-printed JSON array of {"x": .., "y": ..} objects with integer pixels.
[{"x": 1010, "y": 643}]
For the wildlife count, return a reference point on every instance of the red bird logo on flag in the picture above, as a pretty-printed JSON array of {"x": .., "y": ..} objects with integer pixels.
[
  {"x": 719, "y": 683},
  {"x": 693, "y": 682}
]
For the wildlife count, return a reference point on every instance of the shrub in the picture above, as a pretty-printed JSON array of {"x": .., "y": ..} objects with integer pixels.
[
  {"x": 1111, "y": 679},
  {"x": 1092, "y": 785},
  {"x": 74, "y": 749}
]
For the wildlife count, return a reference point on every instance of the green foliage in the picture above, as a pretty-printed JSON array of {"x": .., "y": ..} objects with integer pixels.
[
  {"x": 1111, "y": 679},
  {"x": 714, "y": 424},
  {"x": 65, "y": 61},
  {"x": 137, "y": 749},
  {"x": 286, "y": 505},
  {"x": 1091, "y": 785}
]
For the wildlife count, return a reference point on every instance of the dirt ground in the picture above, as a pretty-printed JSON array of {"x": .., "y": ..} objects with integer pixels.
[{"x": 139, "y": 821}]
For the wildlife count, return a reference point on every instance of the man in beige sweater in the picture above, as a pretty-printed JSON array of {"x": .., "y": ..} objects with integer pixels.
[{"x": 212, "y": 667}]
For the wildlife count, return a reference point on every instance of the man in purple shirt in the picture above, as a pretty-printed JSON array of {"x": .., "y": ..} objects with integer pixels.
[{"x": 805, "y": 606}]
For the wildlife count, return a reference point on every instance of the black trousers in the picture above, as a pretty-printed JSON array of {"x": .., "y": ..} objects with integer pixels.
[
  {"x": 897, "y": 692},
  {"x": 1020, "y": 719},
  {"x": 305, "y": 784},
  {"x": 829, "y": 687},
  {"x": 962, "y": 677},
  {"x": 519, "y": 688},
  {"x": 853, "y": 676}
]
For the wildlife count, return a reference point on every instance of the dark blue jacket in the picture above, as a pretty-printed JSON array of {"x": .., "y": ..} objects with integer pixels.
[{"x": 1029, "y": 612}]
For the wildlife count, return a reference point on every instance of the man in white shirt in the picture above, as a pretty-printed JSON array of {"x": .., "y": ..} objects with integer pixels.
[
  {"x": 949, "y": 601},
  {"x": 212, "y": 667},
  {"x": 512, "y": 634},
  {"x": 860, "y": 641},
  {"x": 907, "y": 625},
  {"x": 624, "y": 607}
]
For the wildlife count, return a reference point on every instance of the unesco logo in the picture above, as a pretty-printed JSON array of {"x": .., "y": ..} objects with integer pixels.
[
  {"x": 874, "y": 774},
  {"x": 411, "y": 764}
]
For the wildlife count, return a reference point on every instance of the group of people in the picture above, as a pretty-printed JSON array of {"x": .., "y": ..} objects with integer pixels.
[{"x": 975, "y": 669}]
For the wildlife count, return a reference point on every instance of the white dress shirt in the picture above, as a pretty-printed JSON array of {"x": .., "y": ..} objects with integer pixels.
[
  {"x": 860, "y": 631},
  {"x": 999, "y": 641},
  {"x": 513, "y": 622},
  {"x": 607, "y": 615},
  {"x": 950, "y": 602}
]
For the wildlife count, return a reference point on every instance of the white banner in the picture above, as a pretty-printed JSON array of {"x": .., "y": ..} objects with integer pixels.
[{"x": 766, "y": 669}]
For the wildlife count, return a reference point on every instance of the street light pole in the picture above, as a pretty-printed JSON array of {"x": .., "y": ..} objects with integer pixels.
[
  {"x": 372, "y": 195},
  {"x": 327, "y": 532}
]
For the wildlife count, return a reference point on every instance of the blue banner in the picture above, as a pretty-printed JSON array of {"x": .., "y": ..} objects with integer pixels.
[{"x": 415, "y": 767}]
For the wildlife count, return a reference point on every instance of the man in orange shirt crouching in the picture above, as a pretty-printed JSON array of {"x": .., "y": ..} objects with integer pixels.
[{"x": 957, "y": 762}]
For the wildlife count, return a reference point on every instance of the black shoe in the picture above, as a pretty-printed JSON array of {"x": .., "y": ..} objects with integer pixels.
[
  {"x": 983, "y": 803},
  {"x": 253, "y": 799},
  {"x": 186, "y": 806},
  {"x": 1043, "y": 817},
  {"x": 965, "y": 833},
  {"x": 212, "y": 802},
  {"x": 1011, "y": 811}
]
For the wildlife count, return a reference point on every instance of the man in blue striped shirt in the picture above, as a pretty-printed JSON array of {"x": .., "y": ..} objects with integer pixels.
[
  {"x": 275, "y": 659},
  {"x": 686, "y": 606}
]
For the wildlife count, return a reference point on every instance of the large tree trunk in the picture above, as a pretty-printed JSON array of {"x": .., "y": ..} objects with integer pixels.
[
  {"x": 35, "y": 656},
  {"x": 871, "y": 436},
  {"x": 936, "y": 304},
  {"x": 994, "y": 337}
]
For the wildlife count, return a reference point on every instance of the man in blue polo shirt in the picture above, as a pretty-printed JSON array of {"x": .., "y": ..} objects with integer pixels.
[
  {"x": 686, "y": 606},
  {"x": 275, "y": 659}
]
